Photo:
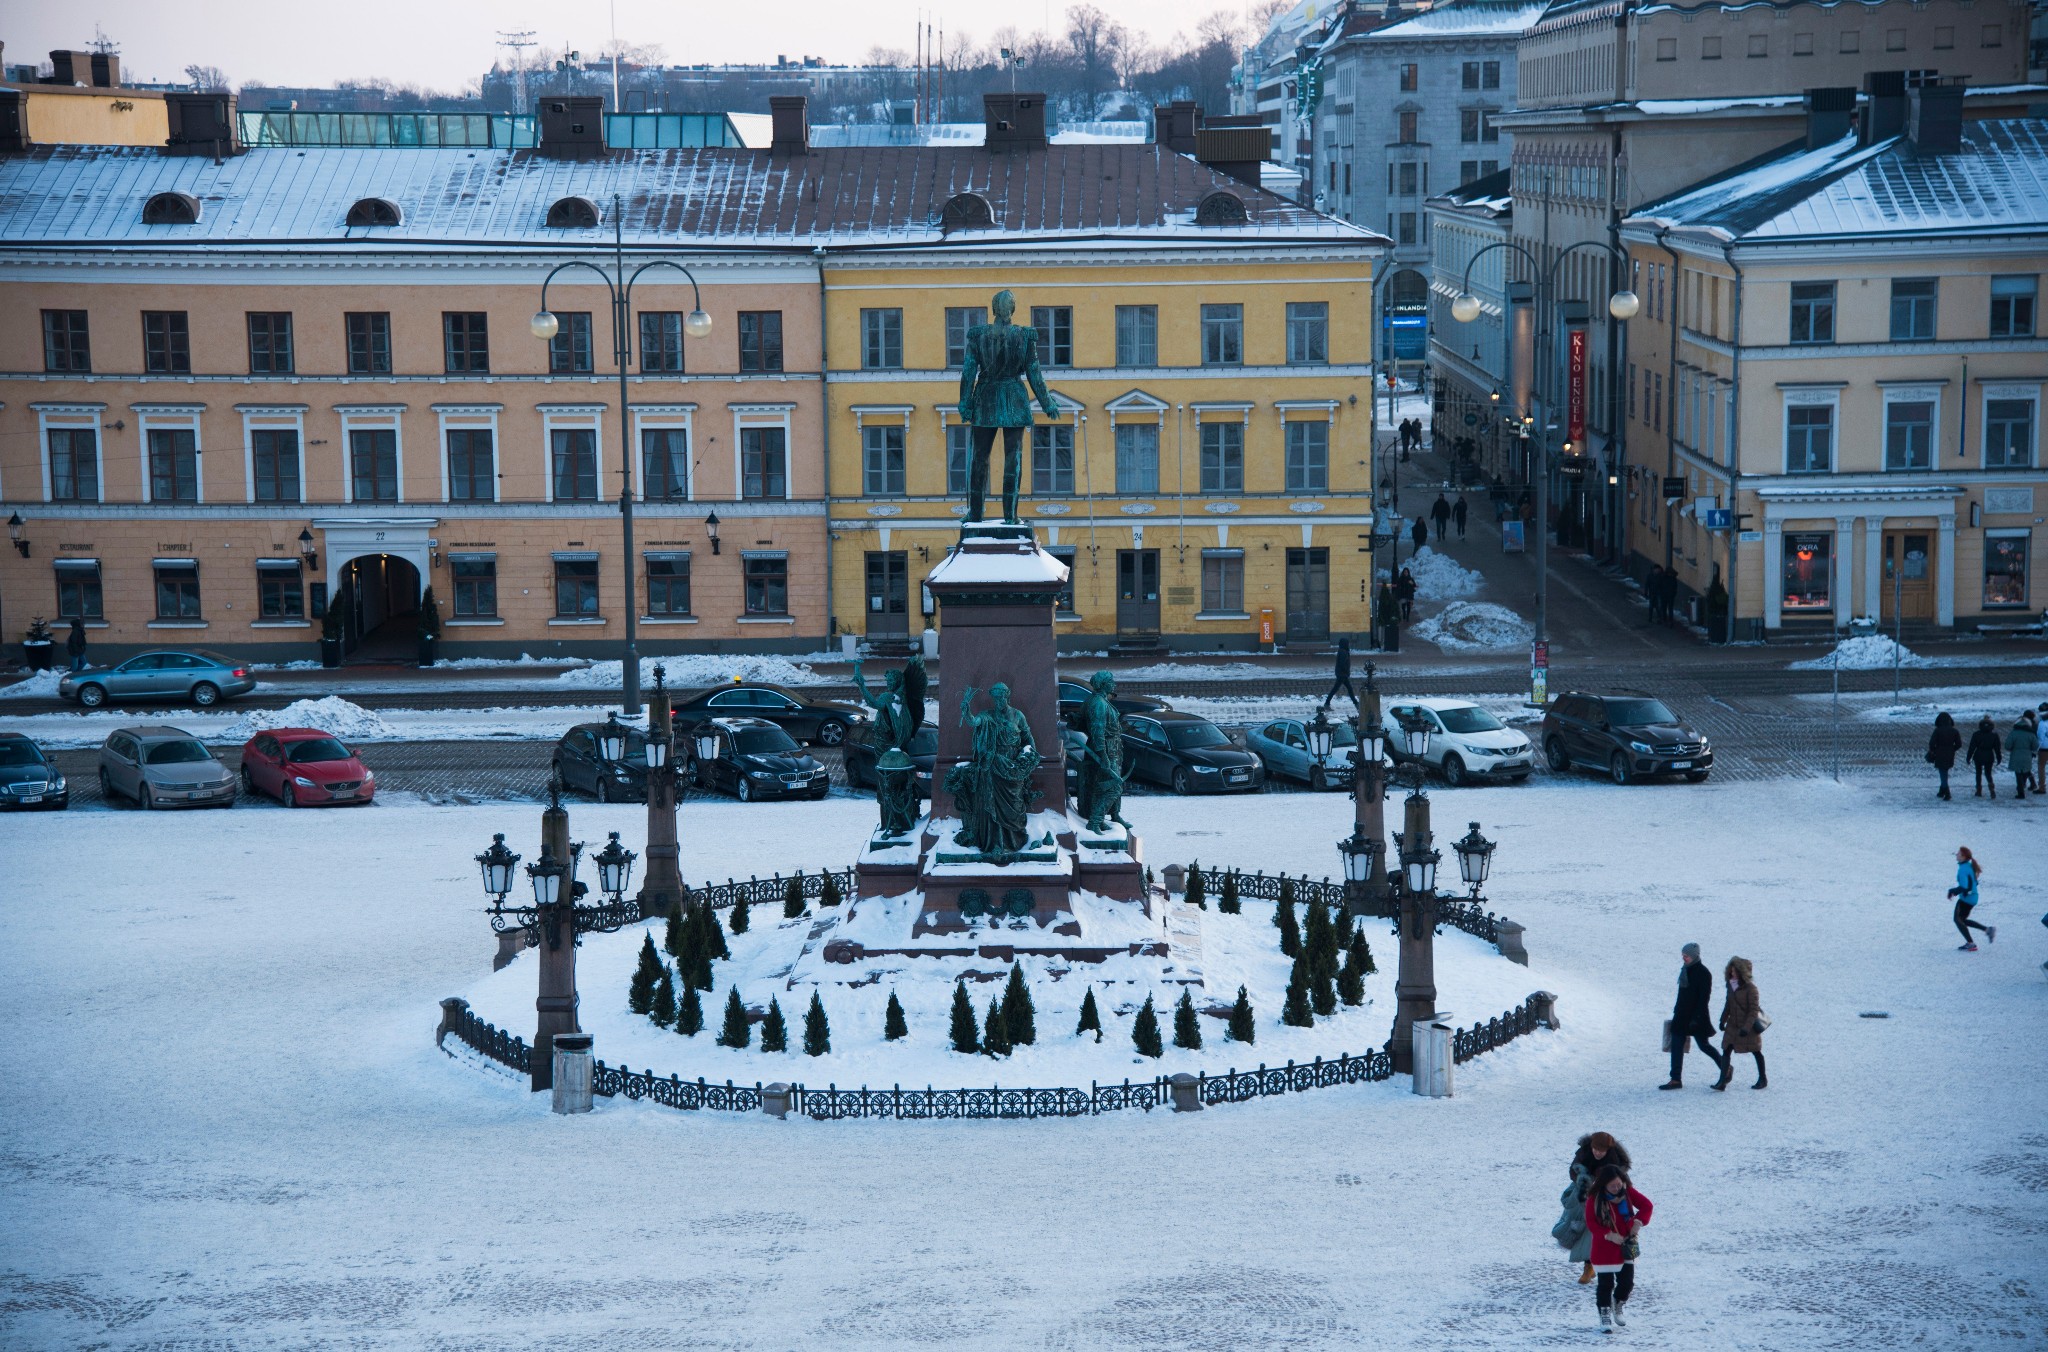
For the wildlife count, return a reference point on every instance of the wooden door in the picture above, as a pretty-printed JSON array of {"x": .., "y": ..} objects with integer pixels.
[
  {"x": 888, "y": 592},
  {"x": 1908, "y": 575},
  {"x": 1137, "y": 591},
  {"x": 1308, "y": 594}
]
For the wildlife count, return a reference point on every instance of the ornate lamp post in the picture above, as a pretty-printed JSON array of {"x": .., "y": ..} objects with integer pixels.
[
  {"x": 555, "y": 896},
  {"x": 1475, "y": 859},
  {"x": 663, "y": 890},
  {"x": 1415, "y": 983},
  {"x": 1364, "y": 852}
]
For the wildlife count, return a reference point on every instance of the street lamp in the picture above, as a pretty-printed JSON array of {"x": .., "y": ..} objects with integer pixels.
[
  {"x": 696, "y": 324},
  {"x": 497, "y": 863},
  {"x": 706, "y": 742},
  {"x": 1322, "y": 735},
  {"x": 614, "y": 867},
  {"x": 307, "y": 551},
  {"x": 611, "y": 739},
  {"x": 1362, "y": 852},
  {"x": 14, "y": 534},
  {"x": 711, "y": 528},
  {"x": 546, "y": 875},
  {"x": 1475, "y": 858},
  {"x": 663, "y": 887},
  {"x": 1361, "y": 856},
  {"x": 1418, "y": 868},
  {"x": 1415, "y": 735}
]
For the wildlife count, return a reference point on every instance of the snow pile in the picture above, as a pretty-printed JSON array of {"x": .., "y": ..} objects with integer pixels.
[
  {"x": 1439, "y": 577},
  {"x": 42, "y": 685},
  {"x": 1475, "y": 627},
  {"x": 350, "y": 722},
  {"x": 523, "y": 660},
  {"x": 1868, "y": 652},
  {"x": 1192, "y": 671},
  {"x": 691, "y": 671}
]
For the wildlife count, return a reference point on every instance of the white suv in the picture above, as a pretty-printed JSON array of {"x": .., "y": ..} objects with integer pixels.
[{"x": 1465, "y": 741}]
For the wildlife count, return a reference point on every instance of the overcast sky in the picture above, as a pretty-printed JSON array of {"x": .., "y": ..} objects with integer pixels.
[{"x": 443, "y": 44}]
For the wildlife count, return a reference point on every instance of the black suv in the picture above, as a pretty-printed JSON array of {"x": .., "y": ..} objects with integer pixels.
[{"x": 1627, "y": 736}]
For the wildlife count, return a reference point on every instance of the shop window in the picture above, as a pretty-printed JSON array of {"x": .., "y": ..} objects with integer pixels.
[
  {"x": 668, "y": 584},
  {"x": 1223, "y": 581},
  {"x": 177, "y": 590},
  {"x": 280, "y": 591},
  {"x": 1808, "y": 572},
  {"x": 767, "y": 584},
  {"x": 575, "y": 588},
  {"x": 2005, "y": 569},
  {"x": 78, "y": 591},
  {"x": 476, "y": 585}
]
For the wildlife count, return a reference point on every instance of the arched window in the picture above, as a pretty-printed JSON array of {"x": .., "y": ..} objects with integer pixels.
[
  {"x": 1221, "y": 208},
  {"x": 966, "y": 211},
  {"x": 171, "y": 208},
  {"x": 373, "y": 211},
  {"x": 573, "y": 213}
]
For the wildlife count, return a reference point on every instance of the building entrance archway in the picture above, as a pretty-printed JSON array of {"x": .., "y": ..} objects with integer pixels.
[{"x": 379, "y": 596}]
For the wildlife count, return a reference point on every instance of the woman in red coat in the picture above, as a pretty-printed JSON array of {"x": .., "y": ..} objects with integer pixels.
[{"x": 1615, "y": 1214}]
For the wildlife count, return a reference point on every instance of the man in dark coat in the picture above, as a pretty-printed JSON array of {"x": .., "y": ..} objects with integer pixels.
[
  {"x": 1985, "y": 749},
  {"x": 1458, "y": 510},
  {"x": 1420, "y": 532},
  {"x": 1691, "y": 1020},
  {"x": 1342, "y": 680},
  {"x": 1653, "y": 592},
  {"x": 1440, "y": 513},
  {"x": 1387, "y": 610}
]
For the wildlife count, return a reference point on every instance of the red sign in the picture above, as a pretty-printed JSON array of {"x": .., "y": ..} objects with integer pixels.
[
  {"x": 1541, "y": 654},
  {"x": 1266, "y": 625},
  {"x": 1575, "y": 389}
]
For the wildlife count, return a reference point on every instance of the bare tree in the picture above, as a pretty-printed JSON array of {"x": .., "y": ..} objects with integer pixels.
[
  {"x": 207, "y": 79},
  {"x": 1096, "y": 43}
]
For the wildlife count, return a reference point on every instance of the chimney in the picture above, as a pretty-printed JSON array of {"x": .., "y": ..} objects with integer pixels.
[
  {"x": 1884, "y": 116},
  {"x": 1935, "y": 118},
  {"x": 202, "y": 124},
  {"x": 1013, "y": 121},
  {"x": 1234, "y": 151},
  {"x": 1174, "y": 125},
  {"x": 13, "y": 121},
  {"x": 790, "y": 119},
  {"x": 1830, "y": 115},
  {"x": 571, "y": 127},
  {"x": 106, "y": 70},
  {"x": 70, "y": 68}
]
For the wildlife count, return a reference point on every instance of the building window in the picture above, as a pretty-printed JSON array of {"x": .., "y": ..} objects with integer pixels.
[
  {"x": 960, "y": 319},
  {"x": 881, "y": 461},
  {"x": 1489, "y": 75},
  {"x": 1411, "y": 77},
  {"x": 274, "y": 463},
  {"x": 1137, "y": 457},
  {"x": 1308, "y": 457},
  {"x": 575, "y": 588},
  {"x": 78, "y": 591},
  {"x": 573, "y": 455},
  {"x": 1052, "y": 459},
  {"x": 373, "y": 464},
  {"x": 661, "y": 343},
  {"x": 1222, "y": 335},
  {"x": 760, "y": 340},
  {"x": 1808, "y": 571},
  {"x": 1710, "y": 49},
  {"x": 767, "y": 585},
  {"x": 569, "y": 351},
  {"x": 959, "y": 458},
  {"x": 1813, "y": 312},
  {"x": 472, "y": 475},
  {"x": 1809, "y": 438},
  {"x": 2012, "y": 307},
  {"x": 664, "y": 463},
  {"x": 65, "y": 344},
  {"x": 1137, "y": 335},
  {"x": 2008, "y": 433},
  {"x": 1913, "y": 309},
  {"x": 280, "y": 591},
  {"x": 166, "y": 343},
  {"x": 1908, "y": 434},
  {"x": 1405, "y": 124},
  {"x": 476, "y": 586},
  {"x": 1994, "y": 35},
  {"x": 1852, "y": 41},
  {"x": 1308, "y": 332},
  {"x": 173, "y": 464},
  {"x": 1410, "y": 177},
  {"x": 465, "y": 343},
  {"x": 1657, "y": 401},
  {"x": 1068, "y": 555},
  {"x": 1760, "y": 45},
  {"x": 270, "y": 343},
  {"x": 1055, "y": 327},
  {"x": 881, "y": 340},
  {"x": 369, "y": 343},
  {"x": 764, "y": 463},
  {"x": 1802, "y": 44},
  {"x": 1223, "y": 581},
  {"x": 668, "y": 584},
  {"x": 1944, "y": 39},
  {"x": 1471, "y": 76},
  {"x": 1667, "y": 49},
  {"x": 2005, "y": 570},
  {"x": 1222, "y": 457},
  {"x": 1405, "y": 228},
  {"x": 177, "y": 591}
]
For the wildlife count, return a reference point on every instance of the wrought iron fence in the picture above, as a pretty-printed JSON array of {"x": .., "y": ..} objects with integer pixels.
[
  {"x": 674, "y": 1092},
  {"x": 1265, "y": 1082},
  {"x": 490, "y": 1040},
  {"x": 767, "y": 891},
  {"x": 1467, "y": 1043},
  {"x": 1456, "y": 912},
  {"x": 1467, "y": 916}
]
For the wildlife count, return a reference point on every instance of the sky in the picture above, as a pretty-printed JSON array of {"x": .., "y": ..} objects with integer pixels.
[{"x": 442, "y": 44}]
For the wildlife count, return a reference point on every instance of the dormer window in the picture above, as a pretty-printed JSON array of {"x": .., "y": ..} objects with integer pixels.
[
  {"x": 373, "y": 211},
  {"x": 966, "y": 211},
  {"x": 573, "y": 213},
  {"x": 171, "y": 208},
  {"x": 1221, "y": 208}
]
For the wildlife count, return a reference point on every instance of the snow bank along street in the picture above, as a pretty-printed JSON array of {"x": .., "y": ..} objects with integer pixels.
[{"x": 228, "y": 1124}]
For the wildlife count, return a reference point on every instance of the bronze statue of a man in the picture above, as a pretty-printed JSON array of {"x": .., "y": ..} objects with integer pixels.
[
  {"x": 1102, "y": 768},
  {"x": 992, "y": 400}
]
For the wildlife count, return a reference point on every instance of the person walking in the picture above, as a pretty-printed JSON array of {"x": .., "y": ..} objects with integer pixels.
[
  {"x": 1741, "y": 1013},
  {"x": 1942, "y": 748},
  {"x": 1983, "y": 756},
  {"x": 1692, "y": 1018},
  {"x": 2040, "y": 754},
  {"x": 1387, "y": 607},
  {"x": 2021, "y": 744},
  {"x": 1596, "y": 1150},
  {"x": 1404, "y": 587},
  {"x": 1968, "y": 871},
  {"x": 75, "y": 645},
  {"x": 1458, "y": 510},
  {"x": 1615, "y": 1215},
  {"x": 2033, "y": 723},
  {"x": 1342, "y": 679},
  {"x": 1420, "y": 534},
  {"x": 1440, "y": 513},
  {"x": 1653, "y": 591}
]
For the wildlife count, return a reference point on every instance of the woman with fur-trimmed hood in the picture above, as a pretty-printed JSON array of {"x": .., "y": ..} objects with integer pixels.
[{"x": 1739, "y": 1013}]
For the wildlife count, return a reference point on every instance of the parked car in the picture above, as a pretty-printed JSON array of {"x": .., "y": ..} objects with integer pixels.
[
  {"x": 1188, "y": 754},
  {"x": 1465, "y": 741},
  {"x": 808, "y": 718},
  {"x": 305, "y": 767},
  {"x": 1074, "y": 697},
  {"x": 163, "y": 767},
  {"x": 757, "y": 759},
  {"x": 861, "y": 753},
  {"x": 1282, "y": 747},
  {"x": 27, "y": 779},
  {"x": 1630, "y": 736},
  {"x": 203, "y": 677},
  {"x": 580, "y": 764}
]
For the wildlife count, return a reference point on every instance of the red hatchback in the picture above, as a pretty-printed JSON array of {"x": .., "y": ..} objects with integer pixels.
[{"x": 305, "y": 767}]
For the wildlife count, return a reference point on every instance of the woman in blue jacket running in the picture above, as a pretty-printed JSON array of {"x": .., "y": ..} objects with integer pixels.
[{"x": 1965, "y": 894}]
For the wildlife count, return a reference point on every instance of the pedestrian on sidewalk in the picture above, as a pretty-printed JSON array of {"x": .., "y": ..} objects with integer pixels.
[
  {"x": 1615, "y": 1214},
  {"x": 1458, "y": 510},
  {"x": 1420, "y": 534},
  {"x": 2040, "y": 754},
  {"x": 1596, "y": 1151},
  {"x": 1692, "y": 1018},
  {"x": 75, "y": 645},
  {"x": 2021, "y": 745},
  {"x": 1742, "y": 1023},
  {"x": 2033, "y": 725},
  {"x": 1983, "y": 756},
  {"x": 1942, "y": 748},
  {"x": 1440, "y": 513},
  {"x": 1342, "y": 680},
  {"x": 1387, "y": 609},
  {"x": 1653, "y": 593},
  {"x": 1404, "y": 587},
  {"x": 1966, "y": 897}
]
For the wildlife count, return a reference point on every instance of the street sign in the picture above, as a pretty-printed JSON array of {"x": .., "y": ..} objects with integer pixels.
[
  {"x": 1674, "y": 488},
  {"x": 1717, "y": 518}
]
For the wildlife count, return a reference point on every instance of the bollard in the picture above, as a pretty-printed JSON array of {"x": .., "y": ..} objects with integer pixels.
[
  {"x": 452, "y": 1010},
  {"x": 1187, "y": 1095},
  {"x": 1432, "y": 1047},
  {"x": 1546, "y": 1010},
  {"x": 1176, "y": 879},
  {"x": 574, "y": 1069},
  {"x": 775, "y": 1100},
  {"x": 510, "y": 942},
  {"x": 1511, "y": 941}
]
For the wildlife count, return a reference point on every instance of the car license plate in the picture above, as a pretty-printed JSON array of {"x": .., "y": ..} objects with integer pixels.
[
  {"x": 341, "y": 793},
  {"x": 1238, "y": 776},
  {"x": 1681, "y": 765},
  {"x": 32, "y": 798}
]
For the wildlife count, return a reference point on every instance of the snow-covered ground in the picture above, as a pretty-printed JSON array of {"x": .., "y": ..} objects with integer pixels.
[
  {"x": 1474, "y": 626},
  {"x": 227, "y": 1123},
  {"x": 352, "y": 722}
]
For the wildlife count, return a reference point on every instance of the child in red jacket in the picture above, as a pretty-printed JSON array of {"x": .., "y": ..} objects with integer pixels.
[{"x": 1615, "y": 1214}]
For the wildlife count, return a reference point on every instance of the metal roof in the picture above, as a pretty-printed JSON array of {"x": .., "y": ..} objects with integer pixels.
[
  {"x": 1465, "y": 19},
  {"x": 715, "y": 197}
]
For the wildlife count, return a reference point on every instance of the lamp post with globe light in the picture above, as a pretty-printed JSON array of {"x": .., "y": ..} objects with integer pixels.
[
  {"x": 696, "y": 324},
  {"x": 663, "y": 889},
  {"x": 1364, "y": 851}
]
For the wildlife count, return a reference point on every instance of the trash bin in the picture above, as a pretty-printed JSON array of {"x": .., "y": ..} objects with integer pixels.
[
  {"x": 1432, "y": 1049},
  {"x": 574, "y": 1069},
  {"x": 36, "y": 654}
]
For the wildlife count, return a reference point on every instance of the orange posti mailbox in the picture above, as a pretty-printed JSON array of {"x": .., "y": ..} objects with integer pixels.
[{"x": 1266, "y": 625}]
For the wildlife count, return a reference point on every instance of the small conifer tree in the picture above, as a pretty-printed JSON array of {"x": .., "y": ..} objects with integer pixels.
[
  {"x": 1322, "y": 993},
  {"x": 1243, "y": 1026},
  {"x": 736, "y": 1032},
  {"x": 817, "y": 1032},
  {"x": 966, "y": 1036},
  {"x": 1145, "y": 1032},
  {"x": 640, "y": 995},
  {"x": 1287, "y": 897},
  {"x": 793, "y": 898},
  {"x": 1319, "y": 941},
  {"x": 1350, "y": 986},
  {"x": 1229, "y": 903},
  {"x": 673, "y": 937},
  {"x": 995, "y": 1034},
  {"x": 712, "y": 933},
  {"x": 1297, "y": 1012},
  {"x": 828, "y": 895},
  {"x": 689, "y": 1013},
  {"x": 1091, "y": 1018},
  {"x": 1198, "y": 887},
  {"x": 1019, "y": 1016},
  {"x": 894, "y": 1028},
  {"x": 1187, "y": 1025},
  {"x": 1290, "y": 929},
  {"x": 1360, "y": 954},
  {"x": 663, "y": 1010},
  {"x": 740, "y": 918},
  {"x": 774, "y": 1031}
]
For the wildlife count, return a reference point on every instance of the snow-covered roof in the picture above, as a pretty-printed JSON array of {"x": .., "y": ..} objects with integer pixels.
[
  {"x": 837, "y": 135},
  {"x": 1465, "y": 19},
  {"x": 1488, "y": 195}
]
